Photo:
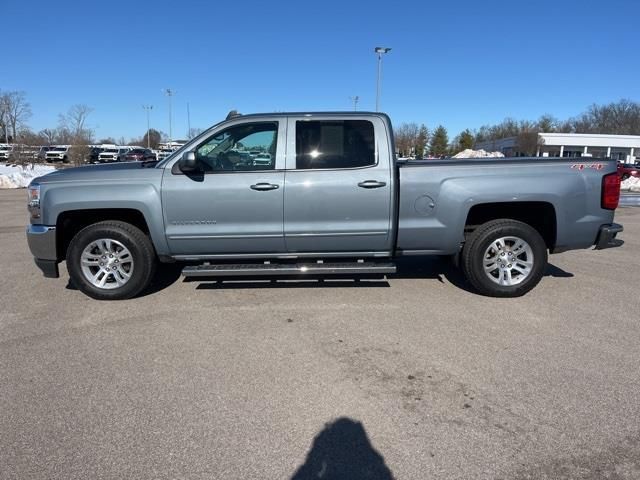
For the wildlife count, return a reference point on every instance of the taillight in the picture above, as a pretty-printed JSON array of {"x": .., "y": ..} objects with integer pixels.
[{"x": 610, "y": 191}]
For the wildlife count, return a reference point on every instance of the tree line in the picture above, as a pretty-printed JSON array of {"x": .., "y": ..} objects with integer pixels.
[
  {"x": 72, "y": 128},
  {"x": 621, "y": 117}
]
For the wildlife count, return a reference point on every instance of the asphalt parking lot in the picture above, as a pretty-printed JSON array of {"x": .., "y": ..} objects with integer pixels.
[{"x": 413, "y": 377}]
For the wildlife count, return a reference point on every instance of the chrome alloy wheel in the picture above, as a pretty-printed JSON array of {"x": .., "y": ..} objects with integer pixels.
[
  {"x": 107, "y": 263},
  {"x": 508, "y": 261}
]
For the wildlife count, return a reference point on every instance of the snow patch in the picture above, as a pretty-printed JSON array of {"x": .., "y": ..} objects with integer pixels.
[
  {"x": 469, "y": 153},
  {"x": 631, "y": 184},
  {"x": 16, "y": 176}
]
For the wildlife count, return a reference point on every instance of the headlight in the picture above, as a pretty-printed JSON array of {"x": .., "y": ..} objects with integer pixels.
[{"x": 33, "y": 199}]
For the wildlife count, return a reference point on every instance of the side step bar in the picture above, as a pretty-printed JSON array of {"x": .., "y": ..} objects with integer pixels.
[{"x": 273, "y": 269}]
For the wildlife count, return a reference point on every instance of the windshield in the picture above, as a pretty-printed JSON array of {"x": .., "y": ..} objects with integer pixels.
[
  {"x": 110, "y": 150},
  {"x": 5, "y": 148},
  {"x": 60, "y": 149}
]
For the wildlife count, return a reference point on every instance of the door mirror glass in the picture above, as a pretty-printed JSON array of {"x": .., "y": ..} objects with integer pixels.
[{"x": 188, "y": 162}]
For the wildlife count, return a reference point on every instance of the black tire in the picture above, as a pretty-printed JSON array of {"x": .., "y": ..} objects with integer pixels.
[
  {"x": 480, "y": 240},
  {"x": 138, "y": 244}
]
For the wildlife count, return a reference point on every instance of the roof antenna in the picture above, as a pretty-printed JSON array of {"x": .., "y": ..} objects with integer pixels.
[{"x": 233, "y": 114}]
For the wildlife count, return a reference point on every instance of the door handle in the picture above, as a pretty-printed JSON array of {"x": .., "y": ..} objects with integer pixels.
[
  {"x": 263, "y": 186},
  {"x": 371, "y": 184}
]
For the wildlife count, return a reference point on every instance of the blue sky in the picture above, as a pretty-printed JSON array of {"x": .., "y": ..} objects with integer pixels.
[{"x": 460, "y": 64}]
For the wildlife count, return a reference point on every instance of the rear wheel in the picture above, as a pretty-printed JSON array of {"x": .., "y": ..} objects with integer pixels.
[
  {"x": 111, "y": 260},
  {"x": 504, "y": 258}
]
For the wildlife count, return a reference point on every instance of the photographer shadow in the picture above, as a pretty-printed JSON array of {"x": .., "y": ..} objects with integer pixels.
[{"x": 342, "y": 451}]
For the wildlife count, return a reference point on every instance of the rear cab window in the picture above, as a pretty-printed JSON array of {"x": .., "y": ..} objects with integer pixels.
[{"x": 334, "y": 144}]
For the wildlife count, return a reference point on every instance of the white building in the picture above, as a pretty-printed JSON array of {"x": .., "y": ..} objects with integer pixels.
[{"x": 624, "y": 148}]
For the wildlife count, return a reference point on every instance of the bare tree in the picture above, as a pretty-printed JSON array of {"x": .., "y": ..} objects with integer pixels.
[
  {"x": 154, "y": 138},
  {"x": 17, "y": 111},
  {"x": 75, "y": 121},
  {"x": 73, "y": 125},
  {"x": 407, "y": 138},
  {"x": 49, "y": 135},
  {"x": 194, "y": 132},
  {"x": 4, "y": 116}
]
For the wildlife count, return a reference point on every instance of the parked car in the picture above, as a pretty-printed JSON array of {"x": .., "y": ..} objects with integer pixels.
[
  {"x": 40, "y": 154},
  {"x": 109, "y": 155},
  {"x": 164, "y": 153},
  {"x": 6, "y": 152},
  {"x": 262, "y": 159},
  {"x": 626, "y": 170},
  {"x": 58, "y": 153},
  {"x": 338, "y": 202},
  {"x": 140, "y": 155},
  {"x": 94, "y": 154}
]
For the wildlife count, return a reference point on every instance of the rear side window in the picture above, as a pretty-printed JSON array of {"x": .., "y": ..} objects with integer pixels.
[{"x": 334, "y": 144}]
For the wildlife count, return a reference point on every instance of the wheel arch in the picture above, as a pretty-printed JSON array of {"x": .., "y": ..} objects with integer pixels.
[
  {"x": 70, "y": 222},
  {"x": 539, "y": 215}
]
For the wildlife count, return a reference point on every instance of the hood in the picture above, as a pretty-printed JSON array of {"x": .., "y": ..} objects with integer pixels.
[{"x": 107, "y": 172}]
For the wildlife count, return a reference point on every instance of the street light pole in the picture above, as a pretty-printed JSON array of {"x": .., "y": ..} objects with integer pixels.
[
  {"x": 355, "y": 101},
  {"x": 148, "y": 108},
  {"x": 188, "y": 122},
  {"x": 380, "y": 51},
  {"x": 170, "y": 93}
]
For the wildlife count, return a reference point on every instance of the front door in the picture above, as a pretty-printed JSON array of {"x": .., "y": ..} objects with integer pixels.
[
  {"x": 338, "y": 186},
  {"x": 234, "y": 204}
]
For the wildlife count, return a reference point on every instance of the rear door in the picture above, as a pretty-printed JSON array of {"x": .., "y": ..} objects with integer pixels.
[
  {"x": 338, "y": 185},
  {"x": 235, "y": 204}
]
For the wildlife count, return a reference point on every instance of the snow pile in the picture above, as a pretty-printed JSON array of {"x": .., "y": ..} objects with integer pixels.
[
  {"x": 631, "y": 184},
  {"x": 15, "y": 176},
  {"x": 469, "y": 153}
]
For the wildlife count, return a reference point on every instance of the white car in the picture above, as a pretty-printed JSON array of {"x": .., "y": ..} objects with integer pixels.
[
  {"x": 262, "y": 159},
  {"x": 5, "y": 151},
  {"x": 59, "y": 153},
  {"x": 115, "y": 154}
]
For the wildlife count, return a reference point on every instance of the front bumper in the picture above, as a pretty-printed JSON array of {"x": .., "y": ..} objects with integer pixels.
[
  {"x": 607, "y": 236},
  {"x": 42, "y": 243}
]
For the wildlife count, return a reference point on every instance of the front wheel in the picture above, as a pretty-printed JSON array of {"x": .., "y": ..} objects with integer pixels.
[
  {"x": 111, "y": 260},
  {"x": 504, "y": 258}
]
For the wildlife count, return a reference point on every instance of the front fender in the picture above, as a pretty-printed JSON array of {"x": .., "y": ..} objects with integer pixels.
[{"x": 143, "y": 197}]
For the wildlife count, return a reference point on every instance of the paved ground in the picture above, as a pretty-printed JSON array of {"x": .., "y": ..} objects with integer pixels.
[{"x": 415, "y": 378}]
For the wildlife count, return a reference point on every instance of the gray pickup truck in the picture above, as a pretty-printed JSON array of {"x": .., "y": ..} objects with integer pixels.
[{"x": 316, "y": 194}]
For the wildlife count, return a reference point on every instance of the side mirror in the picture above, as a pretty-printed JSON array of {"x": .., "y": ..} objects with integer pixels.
[{"x": 188, "y": 162}]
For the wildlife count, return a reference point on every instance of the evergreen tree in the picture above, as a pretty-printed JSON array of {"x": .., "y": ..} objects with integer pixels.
[
  {"x": 439, "y": 142},
  {"x": 421, "y": 141},
  {"x": 466, "y": 140}
]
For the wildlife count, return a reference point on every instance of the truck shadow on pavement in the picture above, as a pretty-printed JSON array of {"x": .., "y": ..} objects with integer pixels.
[
  {"x": 435, "y": 268},
  {"x": 342, "y": 451}
]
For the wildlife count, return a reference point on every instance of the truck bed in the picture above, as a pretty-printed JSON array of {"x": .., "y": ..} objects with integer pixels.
[{"x": 438, "y": 196}]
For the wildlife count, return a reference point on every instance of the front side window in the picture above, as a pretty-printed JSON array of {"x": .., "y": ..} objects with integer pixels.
[
  {"x": 334, "y": 144},
  {"x": 245, "y": 147}
]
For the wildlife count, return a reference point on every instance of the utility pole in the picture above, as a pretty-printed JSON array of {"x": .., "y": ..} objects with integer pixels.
[
  {"x": 355, "y": 101},
  {"x": 188, "y": 122},
  {"x": 169, "y": 93},
  {"x": 148, "y": 108},
  {"x": 380, "y": 51}
]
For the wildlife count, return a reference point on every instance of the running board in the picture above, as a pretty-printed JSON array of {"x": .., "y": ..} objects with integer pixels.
[{"x": 273, "y": 269}]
